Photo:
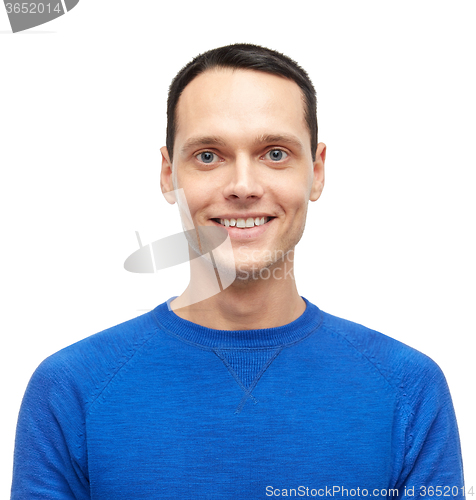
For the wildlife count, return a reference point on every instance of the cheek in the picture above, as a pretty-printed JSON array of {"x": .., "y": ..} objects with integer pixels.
[
  {"x": 195, "y": 203},
  {"x": 195, "y": 193},
  {"x": 293, "y": 190},
  {"x": 292, "y": 200}
]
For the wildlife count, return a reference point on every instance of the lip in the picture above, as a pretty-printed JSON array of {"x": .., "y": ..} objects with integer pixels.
[{"x": 236, "y": 233}]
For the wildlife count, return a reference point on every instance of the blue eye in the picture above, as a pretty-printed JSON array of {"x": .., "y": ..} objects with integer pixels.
[
  {"x": 206, "y": 157},
  {"x": 276, "y": 155}
]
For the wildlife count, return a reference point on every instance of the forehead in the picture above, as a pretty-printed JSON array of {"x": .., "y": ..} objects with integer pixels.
[{"x": 240, "y": 103}]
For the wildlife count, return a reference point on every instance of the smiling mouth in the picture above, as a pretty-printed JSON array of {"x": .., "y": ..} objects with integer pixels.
[{"x": 244, "y": 223}]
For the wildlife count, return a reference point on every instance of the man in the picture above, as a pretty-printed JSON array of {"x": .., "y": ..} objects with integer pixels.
[{"x": 253, "y": 391}]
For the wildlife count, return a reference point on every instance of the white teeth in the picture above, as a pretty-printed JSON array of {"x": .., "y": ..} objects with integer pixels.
[{"x": 244, "y": 223}]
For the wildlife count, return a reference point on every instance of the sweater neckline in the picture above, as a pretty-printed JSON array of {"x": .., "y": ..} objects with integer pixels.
[{"x": 290, "y": 333}]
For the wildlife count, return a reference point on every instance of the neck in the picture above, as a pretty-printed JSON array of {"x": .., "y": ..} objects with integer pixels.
[{"x": 244, "y": 305}]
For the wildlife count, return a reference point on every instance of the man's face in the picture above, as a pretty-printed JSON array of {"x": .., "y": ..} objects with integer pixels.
[{"x": 242, "y": 156}]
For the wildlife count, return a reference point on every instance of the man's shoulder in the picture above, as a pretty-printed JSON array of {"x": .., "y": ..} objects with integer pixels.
[
  {"x": 90, "y": 363},
  {"x": 400, "y": 364},
  {"x": 115, "y": 342}
]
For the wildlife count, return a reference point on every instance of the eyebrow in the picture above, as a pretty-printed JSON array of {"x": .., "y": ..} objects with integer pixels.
[
  {"x": 209, "y": 140},
  {"x": 262, "y": 139},
  {"x": 279, "y": 139}
]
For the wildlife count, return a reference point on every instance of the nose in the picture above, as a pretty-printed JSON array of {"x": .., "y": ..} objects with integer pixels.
[{"x": 244, "y": 182}]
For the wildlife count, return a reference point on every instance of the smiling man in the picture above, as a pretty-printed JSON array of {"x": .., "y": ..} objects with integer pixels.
[
  {"x": 241, "y": 151},
  {"x": 253, "y": 391}
]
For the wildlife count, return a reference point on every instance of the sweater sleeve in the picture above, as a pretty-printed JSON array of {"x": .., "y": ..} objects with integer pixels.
[
  {"x": 49, "y": 457},
  {"x": 432, "y": 464}
]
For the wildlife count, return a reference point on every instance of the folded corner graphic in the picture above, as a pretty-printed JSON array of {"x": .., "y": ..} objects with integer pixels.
[
  {"x": 207, "y": 248},
  {"x": 174, "y": 250},
  {"x": 26, "y": 15}
]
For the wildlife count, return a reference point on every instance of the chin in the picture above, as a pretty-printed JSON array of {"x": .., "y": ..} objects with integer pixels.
[{"x": 246, "y": 271}]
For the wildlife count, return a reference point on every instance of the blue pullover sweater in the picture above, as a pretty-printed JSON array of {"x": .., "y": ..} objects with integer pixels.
[{"x": 162, "y": 408}]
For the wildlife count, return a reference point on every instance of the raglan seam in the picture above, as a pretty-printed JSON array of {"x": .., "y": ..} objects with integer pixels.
[
  {"x": 82, "y": 432},
  {"x": 354, "y": 347},
  {"x": 404, "y": 407},
  {"x": 130, "y": 354}
]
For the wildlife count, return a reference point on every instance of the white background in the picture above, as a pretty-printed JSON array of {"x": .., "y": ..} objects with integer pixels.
[{"x": 390, "y": 244}]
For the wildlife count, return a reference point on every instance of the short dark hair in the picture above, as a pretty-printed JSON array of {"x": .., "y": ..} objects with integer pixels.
[{"x": 243, "y": 56}]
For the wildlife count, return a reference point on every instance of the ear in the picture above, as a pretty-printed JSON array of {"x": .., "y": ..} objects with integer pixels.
[
  {"x": 318, "y": 172},
  {"x": 166, "y": 183}
]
